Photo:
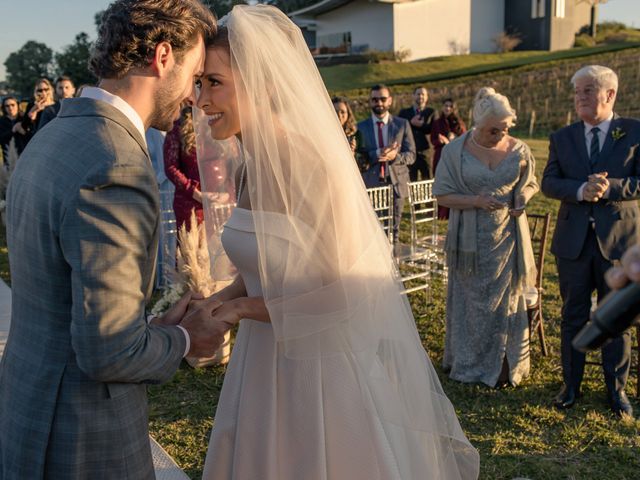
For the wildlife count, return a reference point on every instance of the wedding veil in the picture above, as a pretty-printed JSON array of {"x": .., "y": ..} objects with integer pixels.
[{"x": 327, "y": 273}]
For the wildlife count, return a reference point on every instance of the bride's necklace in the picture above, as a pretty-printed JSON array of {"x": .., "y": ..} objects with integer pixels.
[{"x": 241, "y": 183}]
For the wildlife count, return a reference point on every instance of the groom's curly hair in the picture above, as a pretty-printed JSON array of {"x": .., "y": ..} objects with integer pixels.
[{"x": 130, "y": 30}]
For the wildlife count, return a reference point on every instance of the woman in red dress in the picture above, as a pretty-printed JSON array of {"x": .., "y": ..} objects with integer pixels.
[
  {"x": 181, "y": 168},
  {"x": 445, "y": 128}
]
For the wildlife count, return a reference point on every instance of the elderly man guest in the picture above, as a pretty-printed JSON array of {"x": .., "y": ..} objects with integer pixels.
[
  {"x": 421, "y": 118},
  {"x": 593, "y": 170},
  {"x": 388, "y": 148},
  {"x": 486, "y": 177}
]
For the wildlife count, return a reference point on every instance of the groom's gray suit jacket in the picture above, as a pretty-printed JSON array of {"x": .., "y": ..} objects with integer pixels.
[{"x": 82, "y": 235}]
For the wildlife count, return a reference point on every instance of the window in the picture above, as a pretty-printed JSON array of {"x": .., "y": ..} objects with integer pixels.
[
  {"x": 560, "y": 7},
  {"x": 537, "y": 8}
]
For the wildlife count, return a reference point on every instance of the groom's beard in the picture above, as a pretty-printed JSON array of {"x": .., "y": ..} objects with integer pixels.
[{"x": 167, "y": 108}]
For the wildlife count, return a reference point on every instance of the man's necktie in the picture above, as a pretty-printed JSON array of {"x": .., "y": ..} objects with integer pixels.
[
  {"x": 381, "y": 145},
  {"x": 594, "y": 150}
]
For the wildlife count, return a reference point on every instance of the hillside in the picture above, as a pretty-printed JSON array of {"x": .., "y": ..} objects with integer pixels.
[{"x": 544, "y": 88}]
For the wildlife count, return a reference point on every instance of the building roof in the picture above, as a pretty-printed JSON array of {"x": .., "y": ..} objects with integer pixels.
[{"x": 325, "y": 6}]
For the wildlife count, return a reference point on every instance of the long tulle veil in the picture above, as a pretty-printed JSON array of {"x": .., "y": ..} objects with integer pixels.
[{"x": 327, "y": 273}]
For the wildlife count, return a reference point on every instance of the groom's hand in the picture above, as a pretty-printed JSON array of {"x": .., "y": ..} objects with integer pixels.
[
  {"x": 206, "y": 329},
  {"x": 174, "y": 315}
]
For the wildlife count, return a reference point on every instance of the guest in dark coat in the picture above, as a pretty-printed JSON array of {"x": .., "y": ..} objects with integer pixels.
[
  {"x": 64, "y": 89},
  {"x": 420, "y": 117},
  {"x": 445, "y": 128},
  {"x": 11, "y": 117},
  {"x": 594, "y": 170},
  {"x": 42, "y": 98}
]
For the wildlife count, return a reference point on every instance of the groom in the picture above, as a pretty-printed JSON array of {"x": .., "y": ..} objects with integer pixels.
[{"x": 82, "y": 234}]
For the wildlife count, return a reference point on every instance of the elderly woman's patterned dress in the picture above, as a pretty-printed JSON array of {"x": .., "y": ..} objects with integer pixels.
[{"x": 486, "y": 316}]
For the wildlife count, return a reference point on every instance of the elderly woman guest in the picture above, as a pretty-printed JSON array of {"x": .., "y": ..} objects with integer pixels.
[
  {"x": 444, "y": 129},
  {"x": 486, "y": 177}
]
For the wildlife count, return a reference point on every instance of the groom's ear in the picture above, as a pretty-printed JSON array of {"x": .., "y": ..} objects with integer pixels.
[{"x": 163, "y": 59}]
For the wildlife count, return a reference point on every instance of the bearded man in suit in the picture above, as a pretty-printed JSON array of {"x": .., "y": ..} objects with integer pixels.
[
  {"x": 594, "y": 170},
  {"x": 388, "y": 149},
  {"x": 82, "y": 232}
]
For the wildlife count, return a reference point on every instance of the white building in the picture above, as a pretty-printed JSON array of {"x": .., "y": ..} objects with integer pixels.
[{"x": 429, "y": 28}]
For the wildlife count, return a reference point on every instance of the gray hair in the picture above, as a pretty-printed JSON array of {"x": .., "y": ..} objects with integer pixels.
[
  {"x": 489, "y": 103},
  {"x": 603, "y": 77}
]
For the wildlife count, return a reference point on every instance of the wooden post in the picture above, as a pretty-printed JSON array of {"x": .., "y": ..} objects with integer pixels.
[
  {"x": 518, "y": 104},
  {"x": 532, "y": 123},
  {"x": 569, "y": 118},
  {"x": 470, "y": 118},
  {"x": 546, "y": 108}
]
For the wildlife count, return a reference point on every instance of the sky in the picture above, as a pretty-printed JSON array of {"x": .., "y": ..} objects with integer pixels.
[{"x": 57, "y": 22}]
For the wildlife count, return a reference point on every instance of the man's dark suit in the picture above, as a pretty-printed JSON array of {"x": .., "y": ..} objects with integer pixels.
[
  {"x": 585, "y": 248},
  {"x": 424, "y": 157},
  {"x": 397, "y": 171}
]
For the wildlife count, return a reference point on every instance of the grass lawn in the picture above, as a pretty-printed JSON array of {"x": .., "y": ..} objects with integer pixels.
[
  {"x": 516, "y": 430},
  {"x": 339, "y": 78}
]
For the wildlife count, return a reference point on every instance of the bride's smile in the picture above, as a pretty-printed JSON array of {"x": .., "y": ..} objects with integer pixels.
[{"x": 217, "y": 95}]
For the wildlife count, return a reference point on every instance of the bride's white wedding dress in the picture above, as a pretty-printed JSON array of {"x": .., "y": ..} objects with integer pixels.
[{"x": 282, "y": 419}]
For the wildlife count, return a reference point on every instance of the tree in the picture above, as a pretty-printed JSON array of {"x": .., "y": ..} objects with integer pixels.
[
  {"x": 74, "y": 60},
  {"x": 26, "y": 65}
]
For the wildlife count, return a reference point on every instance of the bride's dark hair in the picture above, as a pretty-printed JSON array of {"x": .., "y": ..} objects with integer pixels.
[{"x": 220, "y": 39}]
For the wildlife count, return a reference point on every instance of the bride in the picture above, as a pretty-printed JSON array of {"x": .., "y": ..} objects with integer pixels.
[{"x": 328, "y": 378}]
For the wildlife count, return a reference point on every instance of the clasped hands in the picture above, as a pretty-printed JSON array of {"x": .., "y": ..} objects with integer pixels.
[
  {"x": 489, "y": 202},
  {"x": 205, "y": 319},
  {"x": 596, "y": 187},
  {"x": 389, "y": 153}
]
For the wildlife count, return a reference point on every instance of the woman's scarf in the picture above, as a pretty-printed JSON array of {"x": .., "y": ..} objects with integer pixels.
[{"x": 462, "y": 245}]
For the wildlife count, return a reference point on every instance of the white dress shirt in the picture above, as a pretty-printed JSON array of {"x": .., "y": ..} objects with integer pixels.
[
  {"x": 602, "y": 137},
  {"x": 99, "y": 94}
]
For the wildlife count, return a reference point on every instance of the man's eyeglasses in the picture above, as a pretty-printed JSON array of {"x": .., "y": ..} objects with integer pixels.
[{"x": 379, "y": 99}]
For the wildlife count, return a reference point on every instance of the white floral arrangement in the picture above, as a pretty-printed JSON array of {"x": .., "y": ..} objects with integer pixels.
[{"x": 170, "y": 295}]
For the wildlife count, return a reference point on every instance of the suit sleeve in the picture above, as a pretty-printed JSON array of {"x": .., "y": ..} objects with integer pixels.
[
  {"x": 554, "y": 182},
  {"x": 627, "y": 188},
  {"x": 407, "y": 154},
  {"x": 106, "y": 234}
]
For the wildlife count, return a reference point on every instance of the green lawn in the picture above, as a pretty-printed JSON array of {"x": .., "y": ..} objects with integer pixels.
[
  {"x": 358, "y": 76},
  {"x": 516, "y": 430}
]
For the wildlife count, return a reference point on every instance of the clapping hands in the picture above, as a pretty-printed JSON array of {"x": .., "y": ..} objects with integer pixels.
[
  {"x": 389, "y": 153},
  {"x": 596, "y": 187}
]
